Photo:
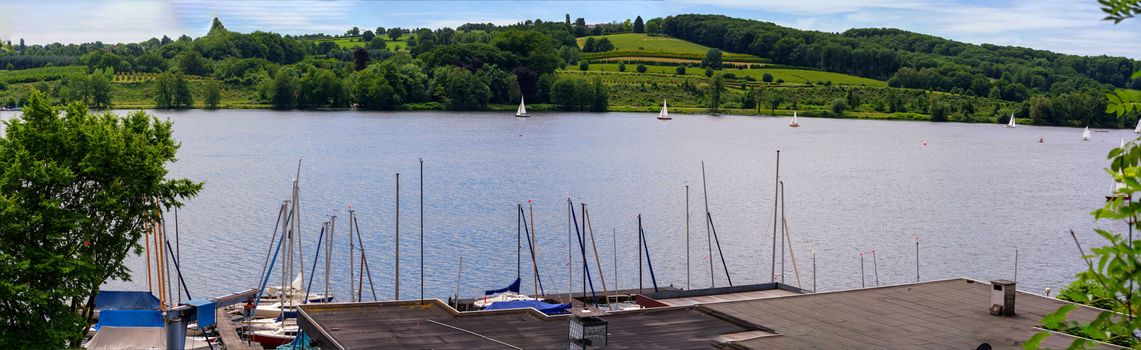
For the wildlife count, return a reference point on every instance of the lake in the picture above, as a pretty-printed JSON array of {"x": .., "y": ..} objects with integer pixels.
[{"x": 973, "y": 194}]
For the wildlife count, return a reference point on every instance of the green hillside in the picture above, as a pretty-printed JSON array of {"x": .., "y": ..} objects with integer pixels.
[{"x": 643, "y": 45}]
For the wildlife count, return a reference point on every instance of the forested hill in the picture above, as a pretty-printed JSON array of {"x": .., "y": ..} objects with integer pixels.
[{"x": 911, "y": 60}]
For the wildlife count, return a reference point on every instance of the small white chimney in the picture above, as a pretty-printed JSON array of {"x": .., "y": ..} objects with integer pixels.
[{"x": 1002, "y": 298}]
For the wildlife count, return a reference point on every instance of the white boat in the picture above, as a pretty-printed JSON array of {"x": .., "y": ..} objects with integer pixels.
[
  {"x": 1137, "y": 130},
  {"x": 507, "y": 296},
  {"x": 1085, "y": 134},
  {"x": 794, "y": 123},
  {"x": 275, "y": 337},
  {"x": 522, "y": 111},
  {"x": 665, "y": 113},
  {"x": 1010, "y": 124}
]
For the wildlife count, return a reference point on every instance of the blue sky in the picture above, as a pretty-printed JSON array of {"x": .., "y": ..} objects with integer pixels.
[{"x": 1069, "y": 26}]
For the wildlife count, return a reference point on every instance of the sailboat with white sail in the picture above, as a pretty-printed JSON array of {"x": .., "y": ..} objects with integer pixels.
[
  {"x": 1137, "y": 130},
  {"x": 1010, "y": 124},
  {"x": 665, "y": 113},
  {"x": 794, "y": 123},
  {"x": 1085, "y": 134},
  {"x": 522, "y": 111}
]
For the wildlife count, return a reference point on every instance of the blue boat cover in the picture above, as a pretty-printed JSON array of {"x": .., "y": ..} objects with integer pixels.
[
  {"x": 546, "y": 308},
  {"x": 125, "y": 300},
  {"x": 514, "y": 287},
  {"x": 129, "y": 318}
]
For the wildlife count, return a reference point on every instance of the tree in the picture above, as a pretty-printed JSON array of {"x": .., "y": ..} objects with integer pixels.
[
  {"x": 216, "y": 27},
  {"x": 708, "y": 72},
  {"x": 839, "y": 105},
  {"x": 621, "y": 66},
  {"x": 584, "y": 66},
  {"x": 360, "y": 58},
  {"x": 589, "y": 45},
  {"x": 285, "y": 89},
  {"x": 639, "y": 26},
  {"x": 22, "y": 46},
  {"x": 394, "y": 33},
  {"x": 567, "y": 22},
  {"x": 191, "y": 62},
  {"x": 68, "y": 225},
  {"x": 213, "y": 94},
  {"x": 775, "y": 102},
  {"x": 680, "y": 69},
  {"x": 768, "y": 78},
  {"x": 641, "y": 68},
  {"x": 354, "y": 31},
  {"x": 99, "y": 86},
  {"x": 716, "y": 87},
  {"x": 601, "y": 98},
  {"x": 712, "y": 59},
  {"x": 368, "y": 36},
  {"x": 172, "y": 91}
]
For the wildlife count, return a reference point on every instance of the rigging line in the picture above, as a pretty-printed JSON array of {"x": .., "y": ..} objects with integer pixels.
[
  {"x": 269, "y": 249},
  {"x": 534, "y": 261},
  {"x": 642, "y": 235},
  {"x": 593, "y": 245},
  {"x": 788, "y": 239},
  {"x": 708, "y": 234},
  {"x": 719, "y": 252},
  {"x": 364, "y": 262},
  {"x": 179, "y": 271},
  {"x": 313, "y": 270},
  {"x": 582, "y": 248},
  {"x": 265, "y": 280}
]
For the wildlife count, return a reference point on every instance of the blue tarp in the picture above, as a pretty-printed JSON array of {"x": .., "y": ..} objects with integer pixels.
[
  {"x": 546, "y": 308},
  {"x": 130, "y": 318},
  {"x": 125, "y": 300},
  {"x": 514, "y": 287}
]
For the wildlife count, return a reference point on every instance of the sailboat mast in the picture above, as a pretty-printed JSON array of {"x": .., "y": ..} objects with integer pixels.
[
  {"x": 397, "y": 289},
  {"x": 776, "y": 192},
  {"x": 352, "y": 271},
  {"x": 687, "y": 237},
  {"x": 708, "y": 231}
]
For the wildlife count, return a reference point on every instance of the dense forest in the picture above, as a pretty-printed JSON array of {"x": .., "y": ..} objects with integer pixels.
[
  {"x": 477, "y": 66},
  {"x": 1056, "y": 87}
]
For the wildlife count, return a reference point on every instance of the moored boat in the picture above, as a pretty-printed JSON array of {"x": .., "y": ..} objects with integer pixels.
[{"x": 665, "y": 113}]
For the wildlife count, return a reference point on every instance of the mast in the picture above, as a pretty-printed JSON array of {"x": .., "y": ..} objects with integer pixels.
[
  {"x": 352, "y": 271},
  {"x": 397, "y": 289},
  {"x": 687, "y": 237},
  {"x": 421, "y": 231},
  {"x": 776, "y": 192},
  {"x": 708, "y": 231}
]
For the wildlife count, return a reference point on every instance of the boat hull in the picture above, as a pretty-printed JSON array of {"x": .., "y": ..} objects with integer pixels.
[
  {"x": 664, "y": 118},
  {"x": 523, "y": 115},
  {"x": 270, "y": 341}
]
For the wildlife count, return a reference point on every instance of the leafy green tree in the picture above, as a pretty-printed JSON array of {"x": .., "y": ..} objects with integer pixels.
[
  {"x": 601, "y": 98},
  {"x": 216, "y": 27},
  {"x": 368, "y": 36},
  {"x": 712, "y": 59},
  {"x": 285, "y": 89},
  {"x": 394, "y": 33},
  {"x": 354, "y": 31},
  {"x": 708, "y": 72},
  {"x": 839, "y": 105},
  {"x": 680, "y": 69},
  {"x": 774, "y": 101},
  {"x": 67, "y": 224},
  {"x": 461, "y": 89},
  {"x": 212, "y": 94},
  {"x": 639, "y": 26},
  {"x": 172, "y": 91},
  {"x": 191, "y": 62},
  {"x": 641, "y": 68},
  {"x": 768, "y": 78},
  {"x": 583, "y": 66},
  {"x": 572, "y": 93},
  {"x": 360, "y": 58},
  {"x": 371, "y": 89},
  {"x": 621, "y": 66},
  {"x": 321, "y": 87},
  {"x": 589, "y": 45},
  {"x": 938, "y": 112},
  {"x": 716, "y": 88},
  {"x": 99, "y": 86}
]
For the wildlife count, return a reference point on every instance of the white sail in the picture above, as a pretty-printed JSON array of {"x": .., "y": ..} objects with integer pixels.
[
  {"x": 1085, "y": 134},
  {"x": 1117, "y": 185},
  {"x": 794, "y": 121},
  {"x": 1011, "y": 123},
  {"x": 522, "y": 111},
  {"x": 665, "y": 113},
  {"x": 1137, "y": 130}
]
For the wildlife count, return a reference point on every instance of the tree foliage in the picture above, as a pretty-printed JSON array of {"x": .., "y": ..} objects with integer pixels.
[
  {"x": 75, "y": 193},
  {"x": 172, "y": 91}
]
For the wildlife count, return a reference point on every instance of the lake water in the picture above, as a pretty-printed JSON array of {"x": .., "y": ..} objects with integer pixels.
[{"x": 973, "y": 194}]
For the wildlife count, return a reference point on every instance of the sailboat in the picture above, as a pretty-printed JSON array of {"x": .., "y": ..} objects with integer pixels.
[
  {"x": 1085, "y": 134},
  {"x": 1115, "y": 193},
  {"x": 665, "y": 113},
  {"x": 522, "y": 111},
  {"x": 794, "y": 123},
  {"x": 1010, "y": 124},
  {"x": 1137, "y": 130}
]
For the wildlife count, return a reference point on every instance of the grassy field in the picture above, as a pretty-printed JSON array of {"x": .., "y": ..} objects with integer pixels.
[
  {"x": 351, "y": 42},
  {"x": 789, "y": 76},
  {"x": 642, "y": 45},
  {"x": 40, "y": 74}
]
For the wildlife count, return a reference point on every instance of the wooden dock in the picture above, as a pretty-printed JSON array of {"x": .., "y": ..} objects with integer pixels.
[{"x": 228, "y": 332}]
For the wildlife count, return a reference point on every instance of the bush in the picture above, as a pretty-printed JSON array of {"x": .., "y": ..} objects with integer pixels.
[
  {"x": 708, "y": 72},
  {"x": 583, "y": 66},
  {"x": 768, "y": 78},
  {"x": 839, "y": 105},
  {"x": 780, "y": 81},
  {"x": 641, "y": 68},
  {"x": 621, "y": 66},
  {"x": 680, "y": 69}
]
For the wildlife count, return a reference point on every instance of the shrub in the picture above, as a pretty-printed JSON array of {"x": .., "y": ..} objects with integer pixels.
[
  {"x": 641, "y": 68},
  {"x": 768, "y": 78},
  {"x": 680, "y": 69},
  {"x": 708, "y": 72},
  {"x": 583, "y": 66},
  {"x": 621, "y": 66},
  {"x": 839, "y": 105}
]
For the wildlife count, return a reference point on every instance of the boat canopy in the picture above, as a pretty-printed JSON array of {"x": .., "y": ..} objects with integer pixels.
[
  {"x": 544, "y": 307},
  {"x": 129, "y": 318},
  {"x": 513, "y": 287},
  {"x": 125, "y": 300},
  {"x": 128, "y": 338}
]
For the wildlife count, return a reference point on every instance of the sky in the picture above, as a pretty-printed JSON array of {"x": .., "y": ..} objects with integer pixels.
[{"x": 1067, "y": 26}]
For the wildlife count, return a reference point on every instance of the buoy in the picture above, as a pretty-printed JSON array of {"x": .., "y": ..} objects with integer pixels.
[
  {"x": 1041, "y": 140},
  {"x": 924, "y": 143}
]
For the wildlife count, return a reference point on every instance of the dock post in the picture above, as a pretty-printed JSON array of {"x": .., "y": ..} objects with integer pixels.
[{"x": 175, "y": 327}]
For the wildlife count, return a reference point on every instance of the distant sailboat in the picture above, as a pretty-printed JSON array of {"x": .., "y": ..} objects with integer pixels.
[
  {"x": 1137, "y": 130},
  {"x": 1085, "y": 134},
  {"x": 1115, "y": 193},
  {"x": 794, "y": 123},
  {"x": 1010, "y": 124},
  {"x": 665, "y": 113},
  {"x": 522, "y": 112}
]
